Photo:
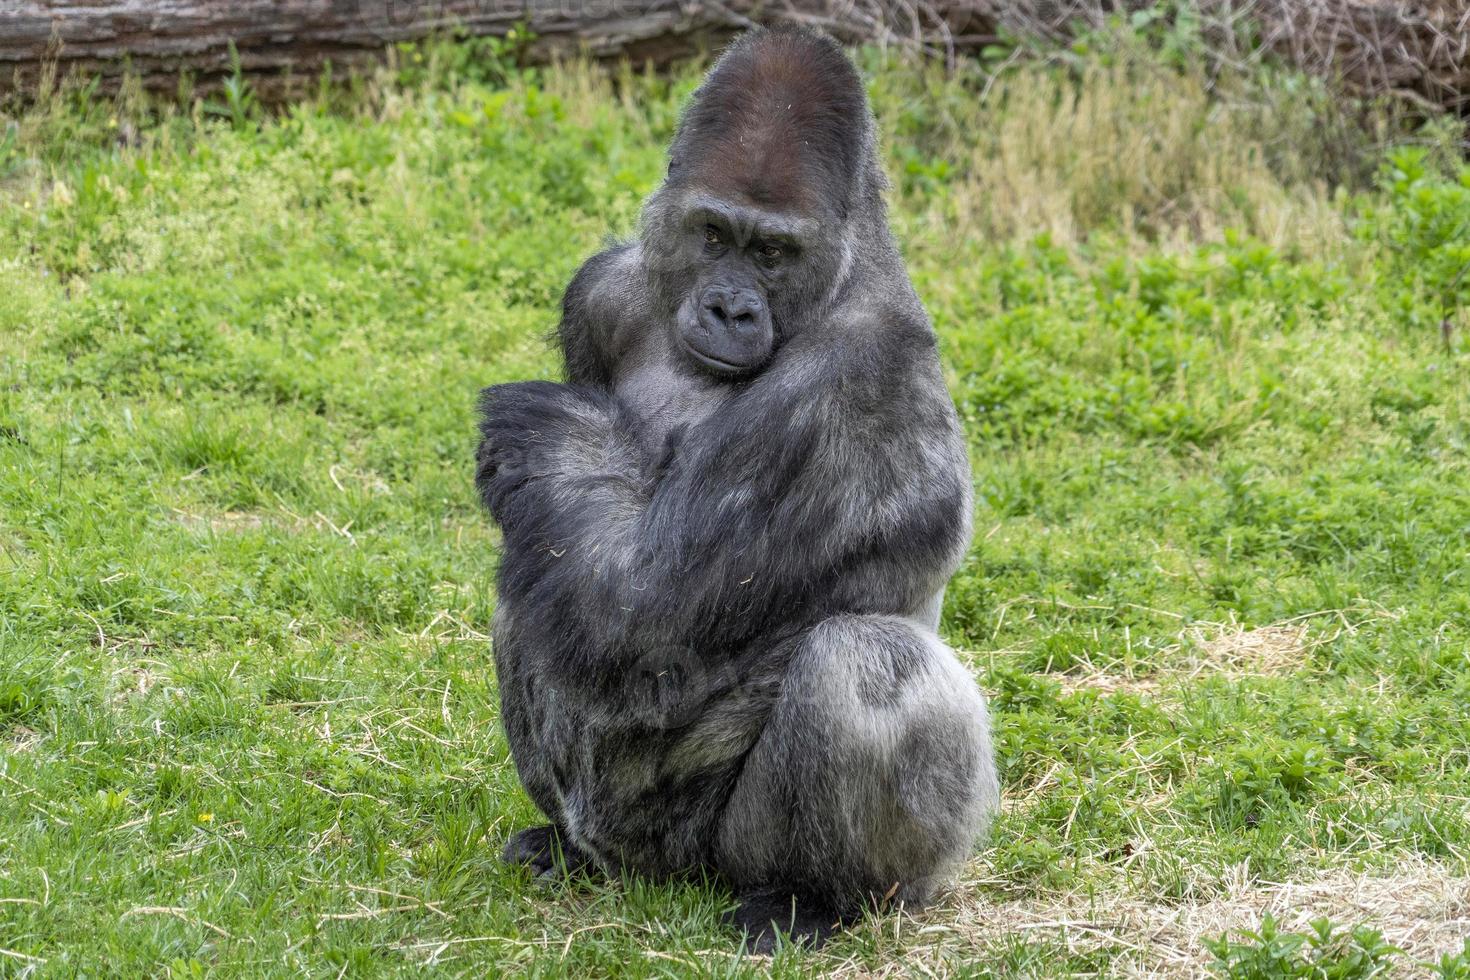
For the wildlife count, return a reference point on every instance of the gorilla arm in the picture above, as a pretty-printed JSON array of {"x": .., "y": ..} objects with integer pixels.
[
  {"x": 829, "y": 484},
  {"x": 606, "y": 296}
]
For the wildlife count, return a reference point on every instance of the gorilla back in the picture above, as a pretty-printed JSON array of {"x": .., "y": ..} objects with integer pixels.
[{"x": 728, "y": 533}]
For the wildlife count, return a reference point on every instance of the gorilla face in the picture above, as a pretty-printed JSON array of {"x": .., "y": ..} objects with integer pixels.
[
  {"x": 772, "y": 190},
  {"x": 744, "y": 258}
]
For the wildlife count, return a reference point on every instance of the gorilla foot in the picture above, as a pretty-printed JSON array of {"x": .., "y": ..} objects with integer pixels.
[
  {"x": 543, "y": 851},
  {"x": 767, "y": 915}
]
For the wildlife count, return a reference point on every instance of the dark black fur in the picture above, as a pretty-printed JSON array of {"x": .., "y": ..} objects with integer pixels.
[{"x": 727, "y": 535}]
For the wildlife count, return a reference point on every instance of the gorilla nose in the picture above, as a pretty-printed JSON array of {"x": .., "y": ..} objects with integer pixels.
[
  {"x": 735, "y": 310},
  {"x": 731, "y": 330}
]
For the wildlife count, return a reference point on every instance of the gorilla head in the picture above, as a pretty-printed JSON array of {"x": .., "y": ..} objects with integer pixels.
[{"x": 752, "y": 230}]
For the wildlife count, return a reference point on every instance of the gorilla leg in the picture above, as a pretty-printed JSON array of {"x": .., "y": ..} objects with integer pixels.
[{"x": 872, "y": 780}]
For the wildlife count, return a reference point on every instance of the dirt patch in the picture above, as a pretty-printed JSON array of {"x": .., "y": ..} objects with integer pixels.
[{"x": 12, "y": 545}]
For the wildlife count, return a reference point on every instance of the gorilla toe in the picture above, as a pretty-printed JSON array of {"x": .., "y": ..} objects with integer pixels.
[
  {"x": 766, "y": 916},
  {"x": 543, "y": 851}
]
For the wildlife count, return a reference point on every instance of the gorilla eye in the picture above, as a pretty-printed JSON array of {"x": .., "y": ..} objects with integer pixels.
[
  {"x": 771, "y": 253},
  {"x": 711, "y": 235}
]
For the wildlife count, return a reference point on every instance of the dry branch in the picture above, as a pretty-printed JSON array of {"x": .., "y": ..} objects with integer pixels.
[{"x": 1418, "y": 49}]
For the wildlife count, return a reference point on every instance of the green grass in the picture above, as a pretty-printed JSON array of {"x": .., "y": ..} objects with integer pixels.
[{"x": 1220, "y": 589}]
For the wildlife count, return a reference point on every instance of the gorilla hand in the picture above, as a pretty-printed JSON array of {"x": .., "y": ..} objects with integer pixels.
[
  {"x": 537, "y": 429},
  {"x": 535, "y": 433}
]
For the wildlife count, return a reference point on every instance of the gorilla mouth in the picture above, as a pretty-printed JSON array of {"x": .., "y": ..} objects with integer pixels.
[
  {"x": 722, "y": 353},
  {"x": 717, "y": 365}
]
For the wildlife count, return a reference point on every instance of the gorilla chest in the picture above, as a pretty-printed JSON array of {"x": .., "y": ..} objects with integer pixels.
[{"x": 662, "y": 397}]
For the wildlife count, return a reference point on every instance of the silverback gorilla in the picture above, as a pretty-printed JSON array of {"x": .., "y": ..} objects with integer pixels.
[{"x": 728, "y": 534}]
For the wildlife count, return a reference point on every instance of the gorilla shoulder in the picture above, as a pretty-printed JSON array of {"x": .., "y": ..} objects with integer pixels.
[{"x": 875, "y": 354}]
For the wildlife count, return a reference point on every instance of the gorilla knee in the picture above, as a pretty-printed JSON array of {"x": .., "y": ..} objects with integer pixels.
[
  {"x": 874, "y": 777},
  {"x": 897, "y": 697}
]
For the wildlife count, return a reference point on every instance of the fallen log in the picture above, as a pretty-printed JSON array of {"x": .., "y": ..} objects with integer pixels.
[
  {"x": 159, "y": 39},
  {"x": 1421, "y": 49}
]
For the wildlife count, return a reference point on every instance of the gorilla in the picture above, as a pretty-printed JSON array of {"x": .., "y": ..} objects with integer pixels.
[{"x": 727, "y": 535}]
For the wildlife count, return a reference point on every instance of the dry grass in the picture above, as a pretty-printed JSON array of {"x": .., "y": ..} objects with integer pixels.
[
  {"x": 1130, "y": 148},
  {"x": 1422, "y": 908},
  {"x": 227, "y": 522},
  {"x": 242, "y": 522},
  {"x": 1268, "y": 650},
  {"x": 20, "y": 738},
  {"x": 1228, "y": 649},
  {"x": 1117, "y": 142},
  {"x": 1216, "y": 649}
]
